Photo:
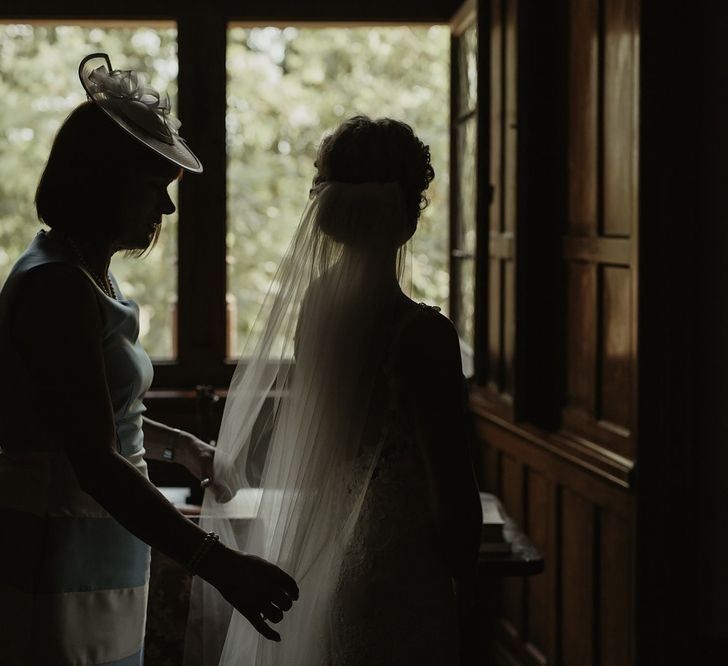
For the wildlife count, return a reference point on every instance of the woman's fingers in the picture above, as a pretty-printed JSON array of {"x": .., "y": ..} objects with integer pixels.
[
  {"x": 257, "y": 621},
  {"x": 288, "y": 584},
  {"x": 272, "y": 613},
  {"x": 282, "y": 600}
]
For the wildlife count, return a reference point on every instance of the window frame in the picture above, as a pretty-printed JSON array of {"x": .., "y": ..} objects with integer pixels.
[{"x": 201, "y": 335}]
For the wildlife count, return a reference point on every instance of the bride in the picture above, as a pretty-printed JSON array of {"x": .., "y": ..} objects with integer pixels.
[{"x": 348, "y": 418}]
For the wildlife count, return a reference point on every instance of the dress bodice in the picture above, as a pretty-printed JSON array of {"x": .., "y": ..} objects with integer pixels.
[
  {"x": 128, "y": 368},
  {"x": 395, "y": 603}
]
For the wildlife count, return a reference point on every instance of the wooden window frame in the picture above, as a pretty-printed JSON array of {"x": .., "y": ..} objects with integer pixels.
[{"x": 202, "y": 42}]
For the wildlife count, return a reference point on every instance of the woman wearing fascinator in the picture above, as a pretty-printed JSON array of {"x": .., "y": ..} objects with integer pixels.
[
  {"x": 77, "y": 511},
  {"x": 363, "y": 484}
]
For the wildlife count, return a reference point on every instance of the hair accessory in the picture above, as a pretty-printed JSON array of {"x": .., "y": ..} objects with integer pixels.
[
  {"x": 208, "y": 542},
  {"x": 137, "y": 107}
]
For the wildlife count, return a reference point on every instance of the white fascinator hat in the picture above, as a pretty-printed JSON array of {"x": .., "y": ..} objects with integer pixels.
[{"x": 142, "y": 111}]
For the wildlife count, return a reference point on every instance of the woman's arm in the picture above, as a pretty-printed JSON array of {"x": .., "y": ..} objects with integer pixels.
[
  {"x": 434, "y": 380},
  {"x": 174, "y": 445},
  {"x": 57, "y": 328}
]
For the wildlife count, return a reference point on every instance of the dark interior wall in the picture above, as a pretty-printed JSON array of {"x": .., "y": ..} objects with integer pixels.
[
  {"x": 284, "y": 10},
  {"x": 711, "y": 371}
]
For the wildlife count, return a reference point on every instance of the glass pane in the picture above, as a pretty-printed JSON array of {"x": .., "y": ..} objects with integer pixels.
[
  {"x": 468, "y": 69},
  {"x": 466, "y": 315},
  {"x": 467, "y": 137},
  {"x": 39, "y": 86},
  {"x": 286, "y": 88}
]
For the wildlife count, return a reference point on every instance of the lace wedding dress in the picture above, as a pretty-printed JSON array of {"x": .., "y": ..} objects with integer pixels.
[{"x": 394, "y": 601}]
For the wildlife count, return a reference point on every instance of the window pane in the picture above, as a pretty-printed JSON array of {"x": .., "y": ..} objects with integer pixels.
[
  {"x": 39, "y": 87},
  {"x": 286, "y": 88},
  {"x": 468, "y": 66}
]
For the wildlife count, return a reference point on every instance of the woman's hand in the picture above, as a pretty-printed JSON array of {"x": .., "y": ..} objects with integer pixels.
[
  {"x": 196, "y": 455},
  {"x": 259, "y": 590}
]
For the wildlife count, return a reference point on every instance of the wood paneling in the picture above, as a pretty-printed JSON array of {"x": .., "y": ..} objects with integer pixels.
[
  {"x": 509, "y": 327},
  {"x": 583, "y": 109},
  {"x": 599, "y": 248},
  {"x": 512, "y": 497},
  {"x": 581, "y": 336},
  {"x": 619, "y": 128},
  {"x": 578, "y": 611},
  {"x": 616, "y": 583},
  {"x": 577, "y": 579},
  {"x": 503, "y": 212},
  {"x": 616, "y": 352},
  {"x": 496, "y": 114},
  {"x": 570, "y": 477},
  {"x": 510, "y": 119},
  {"x": 541, "y": 624},
  {"x": 494, "y": 324}
]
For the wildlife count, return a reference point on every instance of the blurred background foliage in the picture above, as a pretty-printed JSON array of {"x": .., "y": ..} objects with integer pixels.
[{"x": 286, "y": 88}]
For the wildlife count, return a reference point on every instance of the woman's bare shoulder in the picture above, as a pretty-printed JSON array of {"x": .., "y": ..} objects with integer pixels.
[{"x": 430, "y": 337}]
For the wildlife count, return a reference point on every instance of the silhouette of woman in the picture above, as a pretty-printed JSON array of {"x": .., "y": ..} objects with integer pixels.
[
  {"x": 77, "y": 511},
  {"x": 367, "y": 494}
]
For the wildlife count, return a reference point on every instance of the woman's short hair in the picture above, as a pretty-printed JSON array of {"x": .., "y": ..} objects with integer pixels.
[
  {"x": 90, "y": 163},
  {"x": 362, "y": 150}
]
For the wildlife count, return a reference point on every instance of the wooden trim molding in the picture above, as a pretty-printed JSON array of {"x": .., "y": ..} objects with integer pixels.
[
  {"x": 587, "y": 456},
  {"x": 598, "y": 249}
]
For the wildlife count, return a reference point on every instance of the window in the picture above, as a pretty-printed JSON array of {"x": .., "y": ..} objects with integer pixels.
[
  {"x": 464, "y": 205},
  {"x": 256, "y": 134}
]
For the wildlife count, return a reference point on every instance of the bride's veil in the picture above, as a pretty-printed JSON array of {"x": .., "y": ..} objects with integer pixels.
[{"x": 304, "y": 420}]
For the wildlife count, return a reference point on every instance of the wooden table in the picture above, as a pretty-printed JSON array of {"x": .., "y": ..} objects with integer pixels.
[{"x": 524, "y": 558}]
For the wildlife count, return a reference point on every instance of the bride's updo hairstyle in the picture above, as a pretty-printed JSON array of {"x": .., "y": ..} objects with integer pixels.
[{"x": 367, "y": 153}]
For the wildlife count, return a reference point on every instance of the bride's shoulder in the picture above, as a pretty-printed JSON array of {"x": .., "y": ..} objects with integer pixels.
[{"x": 428, "y": 333}]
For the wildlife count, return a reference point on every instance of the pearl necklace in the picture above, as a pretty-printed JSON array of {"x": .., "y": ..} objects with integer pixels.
[{"x": 105, "y": 285}]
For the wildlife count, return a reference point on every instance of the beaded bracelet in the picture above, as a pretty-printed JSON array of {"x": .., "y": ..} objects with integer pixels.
[
  {"x": 168, "y": 453},
  {"x": 208, "y": 542}
]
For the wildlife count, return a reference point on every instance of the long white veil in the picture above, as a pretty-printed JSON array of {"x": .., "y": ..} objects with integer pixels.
[{"x": 304, "y": 420}]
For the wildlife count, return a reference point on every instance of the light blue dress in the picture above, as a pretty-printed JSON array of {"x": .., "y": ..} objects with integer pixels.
[{"x": 73, "y": 582}]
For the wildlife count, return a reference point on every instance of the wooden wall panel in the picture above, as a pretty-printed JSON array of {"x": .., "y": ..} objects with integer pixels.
[
  {"x": 578, "y": 611},
  {"x": 599, "y": 248},
  {"x": 510, "y": 127},
  {"x": 502, "y": 212},
  {"x": 583, "y": 98},
  {"x": 512, "y": 497},
  {"x": 616, "y": 352},
  {"x": 509, "y": 327},
  {"x": 619, "y": 130},
  {"x": 577, "y": 580},
  {"x": 496, "y": 111},
  {"x": 541, "y": 620},
  {"x": 581, "y": 336},
  {"x": 616, "y": 582},
  {"x": 494, "y": 323},
  {"x": 568, "y": 474}
]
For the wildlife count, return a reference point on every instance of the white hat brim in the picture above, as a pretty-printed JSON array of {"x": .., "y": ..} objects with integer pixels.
[{"x": 176, "y": 150}]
